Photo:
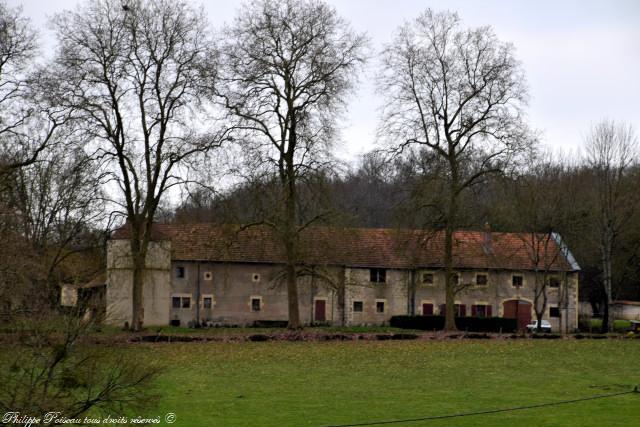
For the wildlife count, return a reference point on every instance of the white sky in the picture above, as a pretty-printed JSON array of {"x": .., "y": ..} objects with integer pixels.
[{"x": 581, "y": 58}]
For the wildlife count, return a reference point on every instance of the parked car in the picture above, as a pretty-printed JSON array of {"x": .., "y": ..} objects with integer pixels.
[{"x": 545, "y": 326}]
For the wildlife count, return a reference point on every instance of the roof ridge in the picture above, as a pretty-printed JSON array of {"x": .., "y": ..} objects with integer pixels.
[{"x": 331, "y": 227}]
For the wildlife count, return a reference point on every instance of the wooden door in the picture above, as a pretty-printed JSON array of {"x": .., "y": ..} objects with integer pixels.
[
  {"x": 427, "y": 309},
  {"x": 520, "y": 310},
  {"x": 320, "y": 310}
]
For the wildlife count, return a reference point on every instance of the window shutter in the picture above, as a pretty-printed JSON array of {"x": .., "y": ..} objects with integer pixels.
[
  {"x": 474, "y": 311},
  {"x": 443, "y": 309},
  {"x": 463, "y": 310},
  {"x": 489, "y": 311}
]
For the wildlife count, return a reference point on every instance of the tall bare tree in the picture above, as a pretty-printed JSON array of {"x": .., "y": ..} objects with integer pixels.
[
  {"x": 612, "y": 153},
  {"x": 27, "y": 127},
  {"x": 135, "y": 72},
  {"x": 540, "y": 208},
  {"x": 460, "y": 93},
  {"x": 288, "y": 67}
]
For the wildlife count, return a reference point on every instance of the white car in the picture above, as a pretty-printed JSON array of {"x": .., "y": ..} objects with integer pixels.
[{"x": 545, "y": 326}]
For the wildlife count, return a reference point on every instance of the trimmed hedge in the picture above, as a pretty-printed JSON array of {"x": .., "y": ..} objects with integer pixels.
[
  {"x": 425, "y": 323},
  {"x": 270, "y": 324},
  {"x": 471, "y": 324}
]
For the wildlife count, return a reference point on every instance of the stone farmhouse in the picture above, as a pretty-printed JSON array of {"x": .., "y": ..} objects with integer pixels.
[{"x": 225, "y": 275}]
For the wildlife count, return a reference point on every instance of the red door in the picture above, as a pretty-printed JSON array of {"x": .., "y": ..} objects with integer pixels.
[
  {"x": 320, "y": 314},
  {"x": 427, "y": 309},
  {"x": 518, "y": 309}
]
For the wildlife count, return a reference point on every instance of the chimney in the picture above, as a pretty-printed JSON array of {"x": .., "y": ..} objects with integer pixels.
[{"x": 487, "y": 239}]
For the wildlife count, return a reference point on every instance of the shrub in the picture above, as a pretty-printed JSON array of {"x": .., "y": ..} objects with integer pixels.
[
  {"x": 471, "y": 324},
  {"x": 424, "y": 323}
]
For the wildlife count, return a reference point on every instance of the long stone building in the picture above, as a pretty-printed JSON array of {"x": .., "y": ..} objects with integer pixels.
[{"x": 225, "y": 275}]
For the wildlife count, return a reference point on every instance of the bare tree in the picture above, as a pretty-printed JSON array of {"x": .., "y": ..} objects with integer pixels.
[
  {"x": 288, "y": 67},
  {"x": 612, "y": 150},
  {"x": 540, "y": 208},
  {"x": 458, "y": 92},
  {"x": 35, "y": 166},
  {"x": 54, "y": 205},
  {"x": 136, "y": 76},
  {"x": 48, "y": 369},
  {"x": 27, "y": 126}
]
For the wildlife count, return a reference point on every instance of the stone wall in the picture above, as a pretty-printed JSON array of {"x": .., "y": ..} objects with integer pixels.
[
  {"x": 393, "y": 294},
  {"x": 351, "y": 298},
  {"x": 232, "y": 286},
  {"x": 157, "y": 283},
  {"x": 497, "y": 291}
]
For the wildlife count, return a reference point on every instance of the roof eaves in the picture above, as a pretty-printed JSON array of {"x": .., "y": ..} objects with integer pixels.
[{"x": 571, "y": 260}]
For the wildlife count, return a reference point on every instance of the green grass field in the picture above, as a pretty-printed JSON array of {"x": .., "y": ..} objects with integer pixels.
[
  {"x": 618, "y": 325},
  {"x": 318, "y": 384}
]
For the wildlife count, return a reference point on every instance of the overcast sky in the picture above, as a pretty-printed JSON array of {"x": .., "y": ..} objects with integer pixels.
[{"x": 581, "y": 58}]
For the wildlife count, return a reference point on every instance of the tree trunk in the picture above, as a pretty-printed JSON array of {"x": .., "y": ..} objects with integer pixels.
[
  {"x": 540, "y": 293},
  {"x": 290, "y": 244},
  {"x": 606, "y": 272},
  {"x": 292, "y": 292},
  {"x": 138, "y": 256},
  {"x": 290, "y": 232},
  {"x": 342, "y": 297},
  {"x": 411, "y": 301},
  {"x": 137, "y": 314},
  {"x": 450, "y": 320},
  {"x": 450, "y": 226}
]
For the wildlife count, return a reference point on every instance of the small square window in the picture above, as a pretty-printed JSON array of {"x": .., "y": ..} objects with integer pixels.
[
  {"x": 427, "y": 278},
  {"x": 186, "y": 302},
  {"x": 256, "y": 304},
  {"x": 481, "y": 279},
  {"x": 554, "y": 282},
  {"x": 206, "y": 302},
  {"x": 379, "y": 306},
  {"x": 180, "y": 272},
  {"x": 554, "y": 312},
  {"x": 175, "y": 302},
  {"x": 208, "y": 275},
  {"x": 455, "y": 278},
  {"x": 516, "y": 281},
  {"x": 358, "y": 306},
  {"x": 378, "y": 275}
]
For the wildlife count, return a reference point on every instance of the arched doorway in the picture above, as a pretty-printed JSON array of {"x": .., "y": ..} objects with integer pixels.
[{"x": 518, "y": 309}]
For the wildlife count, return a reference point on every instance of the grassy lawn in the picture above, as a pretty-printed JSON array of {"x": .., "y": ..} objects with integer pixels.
[
  {"x": 316, "y": 384},
  {"x": 618, "y": 325}
]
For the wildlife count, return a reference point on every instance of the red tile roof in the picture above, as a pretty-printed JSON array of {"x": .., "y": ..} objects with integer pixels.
[{"x": 358, "y": 247}]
